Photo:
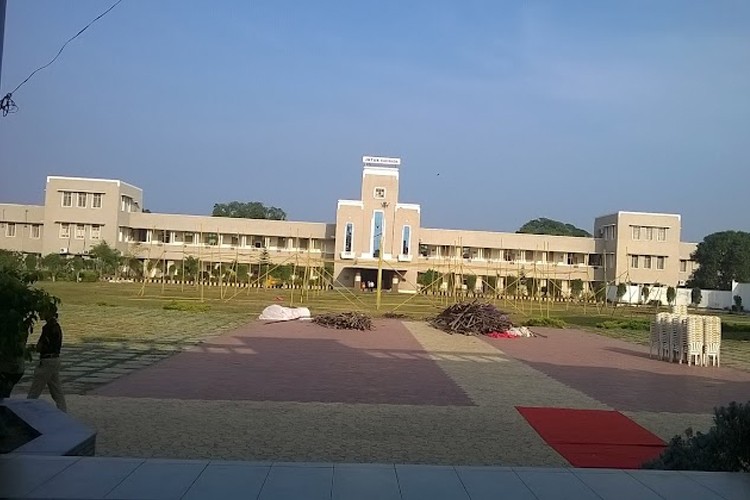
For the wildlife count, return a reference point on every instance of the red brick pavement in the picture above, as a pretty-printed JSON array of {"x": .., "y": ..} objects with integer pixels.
[
  {"x": 622, "y": 375},
  {"x": 302, "y": 362}
]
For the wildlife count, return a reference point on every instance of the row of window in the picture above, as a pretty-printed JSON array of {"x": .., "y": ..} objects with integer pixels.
[
  {"x": 648, "y": 232},
  {"x": 79, "y": 231},
  {"x": 159, "y": 236},
  {"x": 510, "y": 255},
  {"x": 647, "y": 261},
  {"x": 82, "y": 200},
  {"x": 11, "y": 230}
]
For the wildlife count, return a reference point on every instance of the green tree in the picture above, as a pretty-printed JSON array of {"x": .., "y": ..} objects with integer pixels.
[
  {"x": 430, "y": 280},
  {"x": 471, "y": 282},
  {"x": 532, "y": 286},
  {"x": 21, "y": 305},
  {"x": 264, "y": 264},
  {"x": 108, "y": 259},
  {"x": 552, "y": 227},
  {"x": 696, "y": 296},
  {"x": 490, "y": 284},
  {"x": 511, "y": 285},
  {"x": 645, "y": 293},
  {"x": 722, "y": 257},
  {"x": 737, "y": 303},
  {"x": 31, "y": 262},
  {"x": 248, "y": 210},
  {"x": 191, "y": 266},
  {"x": 622, "y": 289},
  {"x": 671, "y": 295},
  {"x": 54, "y": 265},
  {"x": 576, "y": 288},
  {"x": 11, "y": 260}
]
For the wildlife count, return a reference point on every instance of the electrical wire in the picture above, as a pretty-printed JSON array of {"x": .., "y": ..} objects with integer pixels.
[{"x": 6, "y": 103}]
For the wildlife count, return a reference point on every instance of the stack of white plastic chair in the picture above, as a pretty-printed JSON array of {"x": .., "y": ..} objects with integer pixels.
[
  {"x": 712, "y": 340},
  {"x": 680, "y": 310},
  {"x": 654, "y": 343},
  {"x": 676, "y": 340},
  {"x": 665, "y": 336},
  {"x": 692, "y": 342}
]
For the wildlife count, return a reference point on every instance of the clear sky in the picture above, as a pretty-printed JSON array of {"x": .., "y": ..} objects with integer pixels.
[{"x": 561, "y": 109}]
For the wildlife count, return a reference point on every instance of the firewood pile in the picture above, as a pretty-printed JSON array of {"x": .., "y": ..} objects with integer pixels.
[
  {"x": 344, "y": 321},
  {"x": 395, "y": 315},
  {"x": 471, "y": 318}
]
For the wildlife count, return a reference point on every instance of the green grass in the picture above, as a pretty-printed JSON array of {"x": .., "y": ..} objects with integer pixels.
[{"x": 129, "y": 312}]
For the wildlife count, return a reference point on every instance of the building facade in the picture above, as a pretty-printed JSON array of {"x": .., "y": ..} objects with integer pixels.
[{"x": 375, "y": 231}]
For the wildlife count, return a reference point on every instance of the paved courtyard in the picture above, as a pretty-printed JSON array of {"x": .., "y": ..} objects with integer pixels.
[{"x": 402, "y": 393}]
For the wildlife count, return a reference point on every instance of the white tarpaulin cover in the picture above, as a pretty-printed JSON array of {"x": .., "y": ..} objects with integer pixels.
[{"x": 281, "y": 313}]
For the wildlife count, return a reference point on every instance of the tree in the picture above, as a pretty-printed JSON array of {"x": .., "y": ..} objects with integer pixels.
[
  {"x": 737, "y": 303},
  {"x": 671, "y": 295},
  {"x": 722, "y": 257},
  {"x": 430, "y": 280},
  {"x": 191, "y": 267},
  {"x": 696, "y": 296},
  {"x": 108, "y": 259},
  {"x": 248, "y": 210},
  {"x": 471, "y": 283},
  {"x": 10, "y": 260},
  {"x": 645, "y": 293},
  {"x": 552, "y": 227},
  {"x": 21, "y": 305},
  {"x": 622, "y": 289},
  {"x": 576, "y": 288},
  {"x": 54, "y": 264}
]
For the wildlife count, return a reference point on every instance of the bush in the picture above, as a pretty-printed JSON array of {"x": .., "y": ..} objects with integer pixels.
[
  {"x": 186, "y": 307},
  {"x": 88, "y": 276},
  {"x": 551, "y": 322},
  {"x": 625, "y": 324},
  {"x": 725, "y": 447}
]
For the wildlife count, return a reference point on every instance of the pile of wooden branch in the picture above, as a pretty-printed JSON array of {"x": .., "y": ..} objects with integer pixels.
[
  {"x": 345, "y": 321},
  {"x": 471, "y": 318}
]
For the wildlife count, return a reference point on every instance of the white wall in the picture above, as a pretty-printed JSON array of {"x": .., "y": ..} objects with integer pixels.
[{"x": 711, "y": 299}]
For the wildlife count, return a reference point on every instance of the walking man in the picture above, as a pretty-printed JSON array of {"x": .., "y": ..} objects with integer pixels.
[{"x": 47, "y": 372}]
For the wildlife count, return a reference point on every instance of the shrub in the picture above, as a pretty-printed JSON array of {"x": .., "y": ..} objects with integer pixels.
[
  {"x": 551, "y": 322},
  {"x": 696, "y": 296},
  {"x": 625, "y": 324},
  {"x": 725, "y": 447},
  {"x": 186, "y": 307},
  {"x": 88, "y": 276}
]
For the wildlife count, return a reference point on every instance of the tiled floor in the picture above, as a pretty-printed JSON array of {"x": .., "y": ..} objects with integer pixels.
[{"x": 95, "y": 477}]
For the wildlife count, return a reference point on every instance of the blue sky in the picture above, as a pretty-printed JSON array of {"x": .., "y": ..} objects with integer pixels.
[{"x": 561, "y": 109}]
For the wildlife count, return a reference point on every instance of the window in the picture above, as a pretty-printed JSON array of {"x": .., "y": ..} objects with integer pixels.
[
  {"x": 126, "y": 203},
  {"x": 529, "y": 256},
  {"x": 80, "y": 231},
  {"x": 36, "y": 231},
  {"x": 634, "y": 261},
  {"x": 10, "y": 230},
  {"x": 660, "y": 263},
  {"x": 683, "y": 266},
  {"x": 608, "y": 232},
  {"x": 96, "y": 232},
  {"x": 636, "y": 232},
  {"x": 96, "y": 200},
  {"x": 647, "y": 261},
  {"x": 661, "y": 234},
  {"x": 189, "y": 238},
  {"x": 82, "y": 200},
  {"x": 406, "y": 241},
  {"x": 378, "y": 231},
  {"x": 348, "y": 237},
  {"x": 64, "y": 230},
  {"x": 380, "y": 193},
  {"x": 67, "y": 199},
  {"x": 649, "y": 233}
]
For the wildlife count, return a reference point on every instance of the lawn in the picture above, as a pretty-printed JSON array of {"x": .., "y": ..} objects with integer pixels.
[{"x": 173, "y": 314}]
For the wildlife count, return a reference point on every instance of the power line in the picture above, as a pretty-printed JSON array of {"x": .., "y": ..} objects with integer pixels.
[{"x": 7, "y": 105}]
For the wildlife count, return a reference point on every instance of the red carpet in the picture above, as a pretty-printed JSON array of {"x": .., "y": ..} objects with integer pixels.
[{"x": 594, "y": 438}]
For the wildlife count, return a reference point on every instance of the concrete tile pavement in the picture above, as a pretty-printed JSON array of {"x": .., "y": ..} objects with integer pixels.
[{"x": 92, "y": 477}]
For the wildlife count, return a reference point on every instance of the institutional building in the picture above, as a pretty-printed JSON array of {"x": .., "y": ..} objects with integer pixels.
[{"x": 375, "y": 230}]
